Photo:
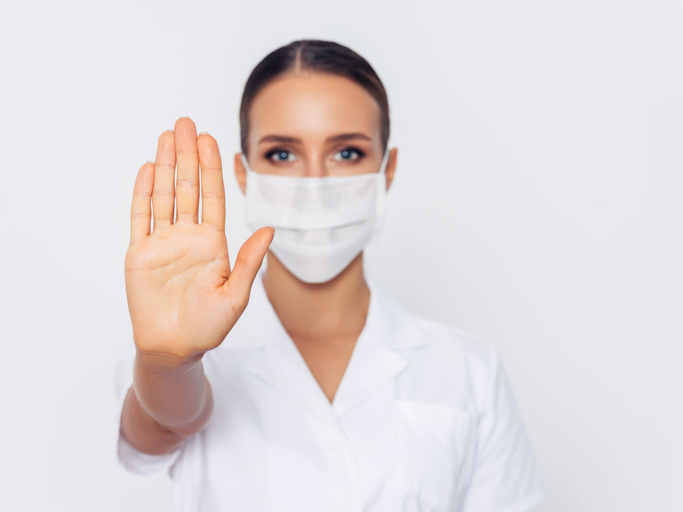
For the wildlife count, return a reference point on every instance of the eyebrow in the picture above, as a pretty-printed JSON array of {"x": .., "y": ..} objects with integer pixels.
[{"x": 296, "y": 140}]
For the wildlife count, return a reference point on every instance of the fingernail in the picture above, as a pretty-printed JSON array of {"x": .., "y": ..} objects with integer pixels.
[
  {"x": 150, "y": 161},
  {"x": 184, "y": 117},
  {"x": 203, "y": 133}
]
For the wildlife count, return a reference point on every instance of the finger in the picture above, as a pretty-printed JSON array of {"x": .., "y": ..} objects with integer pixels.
[
  {"x": 187, "y": 183},
  {"x": 247, "y": 265},
  {"x": 141, "y": 209},
  {"x": 213, "y": 189},
  {"x": 164, "y": 178}
]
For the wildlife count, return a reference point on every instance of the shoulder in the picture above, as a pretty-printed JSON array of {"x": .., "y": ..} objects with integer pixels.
[
  {"x": 448, "y": 365},
  {"x": 406, "y": 329},
  {"x": 462, "y": 359},
  {"x": 452, "y": 341}
]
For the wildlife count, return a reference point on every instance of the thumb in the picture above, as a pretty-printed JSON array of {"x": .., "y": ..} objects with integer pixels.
[{"x": 248, "y": 262}]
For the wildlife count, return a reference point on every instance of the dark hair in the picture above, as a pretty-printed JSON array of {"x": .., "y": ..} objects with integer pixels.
[{"x": 318, "y": 56}]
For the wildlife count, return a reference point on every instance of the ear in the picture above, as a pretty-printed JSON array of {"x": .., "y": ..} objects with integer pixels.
[
  {"x": 391, "y": 166},
  {"x": 241, "y": 173}
]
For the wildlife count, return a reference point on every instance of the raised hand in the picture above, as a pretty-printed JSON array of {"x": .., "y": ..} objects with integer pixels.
[{"x": 182, "y": 297}]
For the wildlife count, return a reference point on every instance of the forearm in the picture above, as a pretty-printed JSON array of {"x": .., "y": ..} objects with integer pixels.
[{"x": 168, "y": 401}]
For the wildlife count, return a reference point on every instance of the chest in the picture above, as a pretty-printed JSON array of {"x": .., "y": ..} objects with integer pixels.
[
  {"x": 327, "y": 360},
  {"x": 267, "y": 449}
]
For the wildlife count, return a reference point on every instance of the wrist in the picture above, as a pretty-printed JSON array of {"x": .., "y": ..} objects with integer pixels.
[{"x": 165, "y": 362}]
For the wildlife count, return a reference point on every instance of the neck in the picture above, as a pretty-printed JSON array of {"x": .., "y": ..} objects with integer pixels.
[{"x": 319, "y": 310}]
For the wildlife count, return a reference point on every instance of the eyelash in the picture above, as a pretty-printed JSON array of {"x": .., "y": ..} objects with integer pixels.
[{"x": 272, "y": 152}]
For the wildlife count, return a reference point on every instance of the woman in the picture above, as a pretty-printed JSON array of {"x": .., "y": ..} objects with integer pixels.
[{"x": 323, "y": 394}]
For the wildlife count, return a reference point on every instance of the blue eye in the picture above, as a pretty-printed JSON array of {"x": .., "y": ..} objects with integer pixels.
[
  {"x": 282, "y": 155},
  {"x": 347, "y": 154}
]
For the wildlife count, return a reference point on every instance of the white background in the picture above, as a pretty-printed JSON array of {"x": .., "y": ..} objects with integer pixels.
[{"x": 536, "y": 204}]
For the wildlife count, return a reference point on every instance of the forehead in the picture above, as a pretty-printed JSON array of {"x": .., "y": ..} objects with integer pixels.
[{"x": 312, "y": 106}]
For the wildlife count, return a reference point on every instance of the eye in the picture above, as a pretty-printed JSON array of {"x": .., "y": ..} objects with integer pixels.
[
  {"x": 348, "y": 154},
  {"x": 281, "y": 155}
]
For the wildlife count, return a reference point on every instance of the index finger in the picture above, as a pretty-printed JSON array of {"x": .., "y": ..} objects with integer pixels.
[{"x": 213, "y": 189}]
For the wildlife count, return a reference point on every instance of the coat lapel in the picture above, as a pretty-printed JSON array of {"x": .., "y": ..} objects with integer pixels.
[
  {"x": 375, "y": 362},
  {"x": 278, "y": 362},
  {"x": 377, "y": 358},
  {"x": 289, "y": 373}
]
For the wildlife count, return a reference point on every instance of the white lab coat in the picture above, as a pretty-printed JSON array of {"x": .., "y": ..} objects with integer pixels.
[{"x": 424, "y": 420}]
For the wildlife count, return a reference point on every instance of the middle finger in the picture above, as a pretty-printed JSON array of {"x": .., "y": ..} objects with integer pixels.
[{"x": 187, "y": 184}]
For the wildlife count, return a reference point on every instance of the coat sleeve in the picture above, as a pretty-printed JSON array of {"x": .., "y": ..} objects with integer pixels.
[
  {"x": 505, "y": 477},
  {"x": 130, "y": 458}
]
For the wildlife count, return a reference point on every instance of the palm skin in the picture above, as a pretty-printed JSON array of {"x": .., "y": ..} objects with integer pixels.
[{"x": 183, "y": 298}]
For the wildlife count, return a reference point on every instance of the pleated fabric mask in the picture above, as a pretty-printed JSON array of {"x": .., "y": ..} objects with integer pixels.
[{"x": 321, "y": 224}]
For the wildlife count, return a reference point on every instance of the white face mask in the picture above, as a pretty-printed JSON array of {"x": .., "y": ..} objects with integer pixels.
[{"x": 321, "y": 224}]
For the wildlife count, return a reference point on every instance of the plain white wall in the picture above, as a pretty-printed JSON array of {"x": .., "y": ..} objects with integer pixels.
[{"x": 536, "y": 204}]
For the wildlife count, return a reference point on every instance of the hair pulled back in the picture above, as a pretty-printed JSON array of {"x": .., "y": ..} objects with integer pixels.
[{"x": 317, "y": 56}]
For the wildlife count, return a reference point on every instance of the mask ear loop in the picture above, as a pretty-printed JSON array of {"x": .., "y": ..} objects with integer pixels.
[
  {"x": 380, "y": 198},
  {"x": 384, "y": 160},
  {"x": 246, "y": 164}
]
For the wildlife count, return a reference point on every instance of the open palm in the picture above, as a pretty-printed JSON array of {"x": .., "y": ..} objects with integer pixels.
[{"x": 182, "y": 296}]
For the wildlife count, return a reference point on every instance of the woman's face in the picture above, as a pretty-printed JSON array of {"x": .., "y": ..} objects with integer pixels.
[{"x": 314, "y": 125}]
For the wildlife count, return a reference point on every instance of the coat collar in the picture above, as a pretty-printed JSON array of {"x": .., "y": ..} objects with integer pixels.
[{"x": 375, "y": 361}]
